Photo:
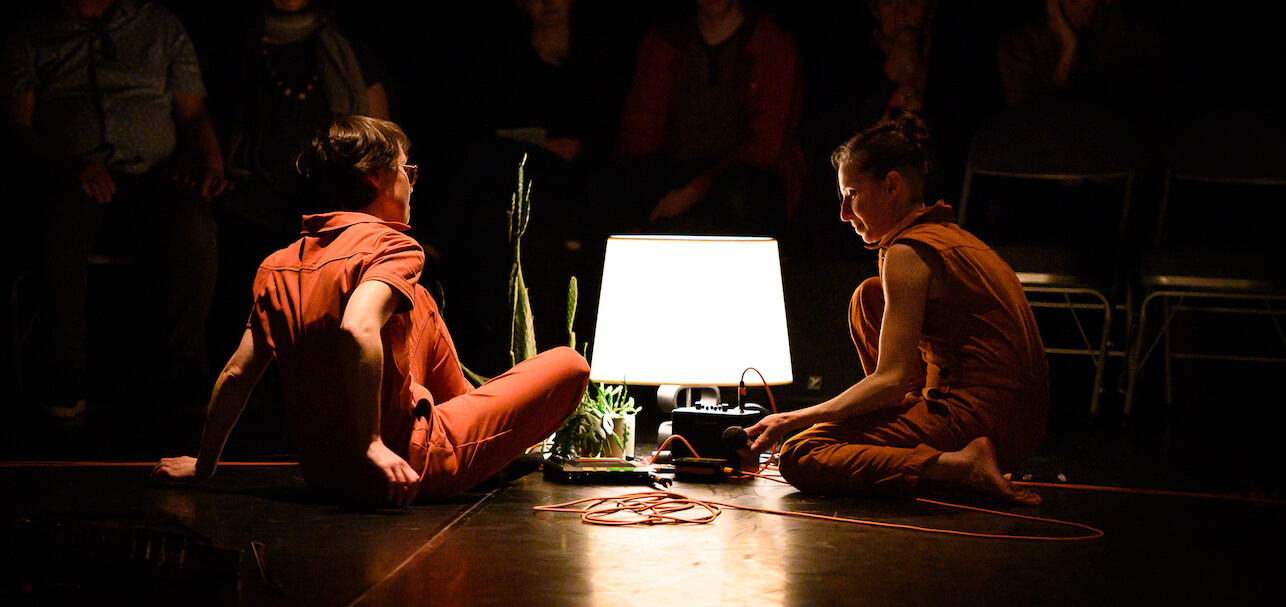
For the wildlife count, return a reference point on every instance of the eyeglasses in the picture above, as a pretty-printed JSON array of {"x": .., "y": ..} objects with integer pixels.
[{"x": 410, "y": 171}]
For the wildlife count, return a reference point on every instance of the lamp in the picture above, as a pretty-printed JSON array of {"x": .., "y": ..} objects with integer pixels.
[{"x": 690, "y": 311}]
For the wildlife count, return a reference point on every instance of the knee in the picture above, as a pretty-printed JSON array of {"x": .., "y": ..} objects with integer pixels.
[
  {"x": 869, "y": 296},
  {"x": 568, "y": 366},
  {"x": 796, "y": 463},
  {"x": 866, "y": 308},
  {"x": 788, "y": 460}
]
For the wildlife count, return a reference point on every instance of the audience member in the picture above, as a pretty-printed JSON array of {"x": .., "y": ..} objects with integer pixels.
[
  {"x": 282, "y": 73},
  {"x": 934, "y": 59},
  {"x": 709, "y": 127},
  {"x": 101, "y": 92},
  {"x": 543, "y": 88},
  {"x": 378, "y": 406},
  {"x": 1086, "y": 48}
]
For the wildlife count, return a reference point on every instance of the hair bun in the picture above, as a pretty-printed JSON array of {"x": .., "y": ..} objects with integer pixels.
[{"x": 910, "y": 126}]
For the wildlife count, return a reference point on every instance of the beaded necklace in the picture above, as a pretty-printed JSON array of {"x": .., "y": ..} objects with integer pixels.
[{"x": 301, "y": 93}]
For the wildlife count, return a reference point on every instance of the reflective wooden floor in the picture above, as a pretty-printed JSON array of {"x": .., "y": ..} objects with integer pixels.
[{"x": 488, "y": 547}]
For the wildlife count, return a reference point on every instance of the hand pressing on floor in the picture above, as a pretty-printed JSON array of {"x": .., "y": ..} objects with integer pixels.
[
  {"x": 184, "y": 469},
  {"x": 403, "y": 481}
]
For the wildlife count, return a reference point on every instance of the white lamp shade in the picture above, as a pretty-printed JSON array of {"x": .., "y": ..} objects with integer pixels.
[{"x": 691, "y": 310}]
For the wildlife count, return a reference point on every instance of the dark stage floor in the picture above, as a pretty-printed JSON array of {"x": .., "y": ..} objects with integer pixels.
[{"x": 489, "y": 547}]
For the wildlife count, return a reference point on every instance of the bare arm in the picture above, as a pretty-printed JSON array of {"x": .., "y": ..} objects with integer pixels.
[
  {"x": 368, "y": 308},
  {"x": 906, "y": 290},
  {"x": 194, "y": 122},
  {"x": 231, "y": 391}
]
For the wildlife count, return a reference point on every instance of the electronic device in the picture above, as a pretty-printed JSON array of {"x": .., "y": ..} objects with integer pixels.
[
  {"x": 699, "y": 469},
  {"x": 703, "y": 428},
  {"x": 597, "y": 471}
]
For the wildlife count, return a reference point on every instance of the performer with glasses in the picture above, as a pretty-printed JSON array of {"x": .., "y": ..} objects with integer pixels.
[{"x": 377, "y": 404}]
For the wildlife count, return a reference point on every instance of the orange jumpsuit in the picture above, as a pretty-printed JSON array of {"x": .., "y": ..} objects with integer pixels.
[
  {"x": 453, "y": 435},
  {"x": 984, "y": 366}
]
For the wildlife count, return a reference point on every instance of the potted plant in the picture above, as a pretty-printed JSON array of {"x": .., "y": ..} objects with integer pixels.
[{"x": 601, "y": 426}]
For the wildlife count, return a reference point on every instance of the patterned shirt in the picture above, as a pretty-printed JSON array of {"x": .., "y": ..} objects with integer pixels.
[{"x": 103, "y": 87}]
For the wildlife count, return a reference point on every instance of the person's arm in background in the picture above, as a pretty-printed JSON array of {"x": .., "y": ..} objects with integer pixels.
[
  {"x": 193, "y": 122},
  {"x": 19, "y": 114}
]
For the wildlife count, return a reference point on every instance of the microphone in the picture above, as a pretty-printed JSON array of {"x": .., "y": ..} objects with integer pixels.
[{"x": 735, "y": 438}]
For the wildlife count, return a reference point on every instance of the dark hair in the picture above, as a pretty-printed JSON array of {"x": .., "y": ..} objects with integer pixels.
[
  {"x": 899, "y": 142},
  {"x": 340, "y": 158}
]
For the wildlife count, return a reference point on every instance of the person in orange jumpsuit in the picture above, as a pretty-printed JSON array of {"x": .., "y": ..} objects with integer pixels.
[
  {"x": 956, "y": 387},
  {"x": 376, "y": 401}
]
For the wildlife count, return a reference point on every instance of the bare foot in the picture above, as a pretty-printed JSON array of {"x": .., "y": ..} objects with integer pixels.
[{"x": 976, "y": 468}]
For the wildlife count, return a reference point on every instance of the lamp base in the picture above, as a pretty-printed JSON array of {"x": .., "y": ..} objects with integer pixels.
[
  {"x": 703, "y": 428},
  {"x": 672, "y": 396}
]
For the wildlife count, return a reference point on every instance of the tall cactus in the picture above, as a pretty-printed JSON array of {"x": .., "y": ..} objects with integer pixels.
[
  {"x": 573, "y": 295},
  {"x": 522, "y": 333}
]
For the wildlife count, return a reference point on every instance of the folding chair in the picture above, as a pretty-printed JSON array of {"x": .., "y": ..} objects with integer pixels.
[
  {"x": 1217, "y": 253},
  {"x": 1063, "y": 234}
]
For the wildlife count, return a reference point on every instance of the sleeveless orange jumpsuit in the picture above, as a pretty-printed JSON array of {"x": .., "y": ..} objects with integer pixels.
[{"x": 984, "y": 372}]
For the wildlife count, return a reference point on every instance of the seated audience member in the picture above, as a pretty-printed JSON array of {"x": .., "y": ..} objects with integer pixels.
[
  {"x": 709, "y": 129},
  {"x": 100, "y": 93},
  {"x": 936, "y": 60},
  {"x": 956, "y": 387},
  {"x": 1083, "y": 48},
  {"x": 378, "y": 407},
  {"x": 542, "y": 88}
]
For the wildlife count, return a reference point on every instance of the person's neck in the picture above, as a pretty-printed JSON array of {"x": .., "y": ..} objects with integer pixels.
[
  {"x": 718, "y": 28},
  {"x": 91, "y": 9}
]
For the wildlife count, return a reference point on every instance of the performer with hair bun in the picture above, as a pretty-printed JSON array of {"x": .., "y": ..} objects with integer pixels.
[{"x": 957, "y": 385}]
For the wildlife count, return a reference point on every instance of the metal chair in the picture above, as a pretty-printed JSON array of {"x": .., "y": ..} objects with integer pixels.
[
  {"x": 1213, "y": 256},
  {"x": 1064, "y": 243}
]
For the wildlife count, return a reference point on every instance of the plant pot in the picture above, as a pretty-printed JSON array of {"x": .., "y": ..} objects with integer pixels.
[{"x": 623, "y": 427}]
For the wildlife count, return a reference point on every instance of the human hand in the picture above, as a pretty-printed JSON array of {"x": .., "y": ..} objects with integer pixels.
[
  {"x": 403, "y": 481},
  {"x": 207, "y": 178},
  {"x": 96, "y": 182},
  {"x": 179, "y": 469},
  {"x": 674, "y": 203},
  {"x": 566, "y": 148},
  {"x": 763, "y": 435},
  {"x": 213, "y": 180}
]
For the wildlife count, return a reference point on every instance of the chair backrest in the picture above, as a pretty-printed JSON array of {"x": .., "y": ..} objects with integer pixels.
[
  {"x": 1055, "y": 141},
  {"x": 1231, "y": 163}
]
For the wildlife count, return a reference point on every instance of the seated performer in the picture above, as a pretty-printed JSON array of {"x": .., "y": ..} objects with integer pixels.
[
  {"x": 376, "y": 401},
  {"x": 956, "y": 385}
]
